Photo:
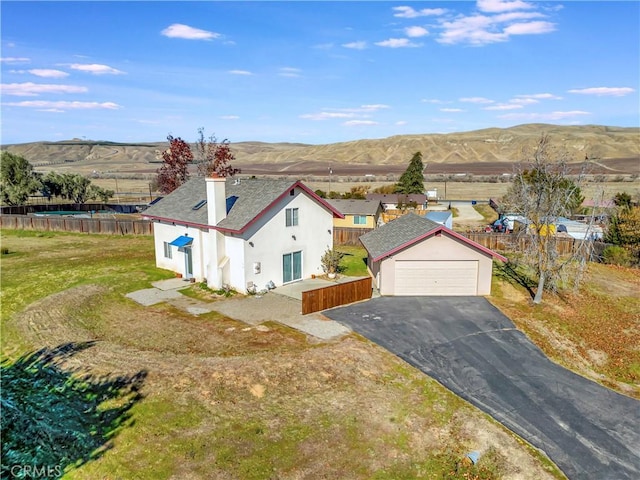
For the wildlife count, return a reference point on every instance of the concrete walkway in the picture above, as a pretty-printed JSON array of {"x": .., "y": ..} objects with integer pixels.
[{"x": 254, "y": 310}]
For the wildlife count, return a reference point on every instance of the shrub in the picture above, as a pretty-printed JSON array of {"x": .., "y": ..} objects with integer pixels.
[
  {"x": 330, "y": 261},
  {"x": 616, "y": 255}
]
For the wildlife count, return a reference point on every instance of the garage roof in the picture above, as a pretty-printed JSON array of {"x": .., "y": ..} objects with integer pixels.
[{"x": 407, "y": 230}]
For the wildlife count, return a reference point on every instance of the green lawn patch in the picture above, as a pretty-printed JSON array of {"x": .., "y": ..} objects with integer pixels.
[{"x": 354, "y": 262}]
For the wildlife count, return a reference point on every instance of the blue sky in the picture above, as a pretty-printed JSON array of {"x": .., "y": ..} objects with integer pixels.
[{"x": 312, "y": 72}]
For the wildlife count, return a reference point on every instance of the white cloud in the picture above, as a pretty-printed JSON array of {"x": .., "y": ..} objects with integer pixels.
[
  {"x": 229, "y": 117},
  {"x": 472, "y": 29},
  {"x": 475, "y": 100},
  {"x": 544, "y": 116},
  {"x": 511, "y": 16},
  {"x": 604, "y": 91},
  {"x": 289, "y": 72},
  {"x": 363, "y": 111},
  {"x": 240, "y": 72},
  {"x": 409, "y": 12},
  {"x": 524, "y": 101},
  {"x": 416, "y": 31},
  {"x": 48, "y": 73},
  {"x": 504, "y": 106},
  {"x": 496, "y": 6},
  {"x": 43, "y": 104},
  {"x": 397, "y": 43},
  {"x": 14, "y": 60},
  {"x": 498, "y": 24},
  {"x": 96, "y": 69},
  {"x": 30, "y": 89},
  {"x": 327, "y": 115},
  {"x": 401, "y": 122},
  {"x": 541, "y": 96},
  {"x": 360, "y": 45},
  {"x": 433, "y": 100},
  {"x": 451, "y": 110},
  {"x": 371, "y": 108},
  {"x": 529, "y": 28},
  {"x": 178, "y": 30},
  {"x": 357, "y": 123}
]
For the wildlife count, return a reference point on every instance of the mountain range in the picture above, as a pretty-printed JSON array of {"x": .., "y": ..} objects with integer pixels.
[{"x": 488, "y": 146}]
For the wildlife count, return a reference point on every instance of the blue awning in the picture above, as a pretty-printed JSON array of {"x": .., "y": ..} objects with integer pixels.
[{"x": 182, "y": 241}]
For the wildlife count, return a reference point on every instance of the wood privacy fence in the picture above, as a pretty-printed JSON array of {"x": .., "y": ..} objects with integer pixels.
[
  {"x": 106, "y": 226},
  {"x": 348, "y": 236},
  {"x": 336, "y": 295},
  {"x": 509, "y": 242}
]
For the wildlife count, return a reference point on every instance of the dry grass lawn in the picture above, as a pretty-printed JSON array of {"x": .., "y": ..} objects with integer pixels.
[{"x": 222, "y": 399}]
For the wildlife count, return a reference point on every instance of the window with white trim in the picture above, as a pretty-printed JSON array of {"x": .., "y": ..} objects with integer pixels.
[
  {"x": 167, "y": 250},
  {"x": 291, "y": 215},
  {"x": 359, "y": 219}
]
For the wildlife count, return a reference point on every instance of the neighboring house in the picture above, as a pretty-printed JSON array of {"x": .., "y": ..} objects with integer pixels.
[
  {"x": 391, "y": 201},
  {"x": 443, "y": 218},
  {"x": 242, "y": 233},
  {"x": 357, "y": 213},
  {"x": 416, "y": 256}
]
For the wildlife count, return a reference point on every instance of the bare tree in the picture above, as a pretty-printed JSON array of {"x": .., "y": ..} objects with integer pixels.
[
  {"x": 544, "y": 189},
  {"x": 214, "y": 157}
]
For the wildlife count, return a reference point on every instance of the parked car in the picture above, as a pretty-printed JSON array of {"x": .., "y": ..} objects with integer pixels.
[{"x": 502, "y": 225}]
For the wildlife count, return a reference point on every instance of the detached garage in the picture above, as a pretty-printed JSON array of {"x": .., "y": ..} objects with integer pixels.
[{"x": 413, "y": 255}]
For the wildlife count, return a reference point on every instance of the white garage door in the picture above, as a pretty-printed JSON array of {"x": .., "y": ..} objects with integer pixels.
[{"x": 436, "y": 277}]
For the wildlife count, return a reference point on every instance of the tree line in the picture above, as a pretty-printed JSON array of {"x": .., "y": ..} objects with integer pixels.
[{"x": 18, "y": 181}]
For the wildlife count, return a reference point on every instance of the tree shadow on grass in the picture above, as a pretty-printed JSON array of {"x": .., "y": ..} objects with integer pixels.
[
  {"x": 54, "y": 417},
  {"x": 506, "y": 272}
]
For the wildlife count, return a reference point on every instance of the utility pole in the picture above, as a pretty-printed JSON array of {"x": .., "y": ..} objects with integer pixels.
[{"x": 330, "y": 173}]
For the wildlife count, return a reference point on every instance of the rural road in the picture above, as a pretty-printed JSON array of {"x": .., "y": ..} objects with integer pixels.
[{"x": 588, "y": 431}]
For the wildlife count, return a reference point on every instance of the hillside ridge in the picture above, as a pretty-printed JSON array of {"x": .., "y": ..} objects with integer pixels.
[{"x": 487, "y": 145}]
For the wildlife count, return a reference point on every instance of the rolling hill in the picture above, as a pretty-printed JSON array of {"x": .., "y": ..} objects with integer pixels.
[{"x": 492, "y": 146}]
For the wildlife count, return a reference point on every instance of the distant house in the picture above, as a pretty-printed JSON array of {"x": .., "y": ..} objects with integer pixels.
[
  {"x": 357, "y": 213},
  {"x": 443, "y": 218},
  {"x": 392, "y": 201},
  {"x": 413, "y": 255},
  {"x": 242, "y": 233}
]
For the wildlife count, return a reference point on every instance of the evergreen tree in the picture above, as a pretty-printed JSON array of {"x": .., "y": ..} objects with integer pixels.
[{"x": 412, "y": 180}]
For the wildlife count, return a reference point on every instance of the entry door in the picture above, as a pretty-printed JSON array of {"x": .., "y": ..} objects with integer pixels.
[
  {"x": 188, "y": 262},
  {"x": 291, "y": 267}
]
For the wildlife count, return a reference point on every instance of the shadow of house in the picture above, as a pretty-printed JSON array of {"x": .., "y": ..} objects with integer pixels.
[{"x": 55, "y": 418}]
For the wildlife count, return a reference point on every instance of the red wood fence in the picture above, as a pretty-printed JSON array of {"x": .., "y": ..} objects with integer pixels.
[
  {"x": 106, "y": 226},
  {"x": 336, "y": 295}
]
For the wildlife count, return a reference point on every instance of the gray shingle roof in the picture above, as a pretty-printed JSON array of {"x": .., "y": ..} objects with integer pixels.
[
  {"x": 178, "y": 205},
  {"x": 354, "y": 206},
  {"x": 253, "y": 196},
  {"x": 419, "y": 198},
  {"x": 399, "y": 232}
]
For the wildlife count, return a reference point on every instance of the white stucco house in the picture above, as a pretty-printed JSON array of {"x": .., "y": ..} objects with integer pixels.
[
  {"x": 242, "y": 233},
  {"x": 415, "y": 256}
]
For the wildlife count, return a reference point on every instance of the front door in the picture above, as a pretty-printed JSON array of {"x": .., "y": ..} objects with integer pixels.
[
  {"x": 291, "y": 267},
  {"x": 188, "y": 262}
]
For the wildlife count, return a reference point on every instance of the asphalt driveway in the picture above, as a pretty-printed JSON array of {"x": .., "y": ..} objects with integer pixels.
[{"x": 466, "y": 344}]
